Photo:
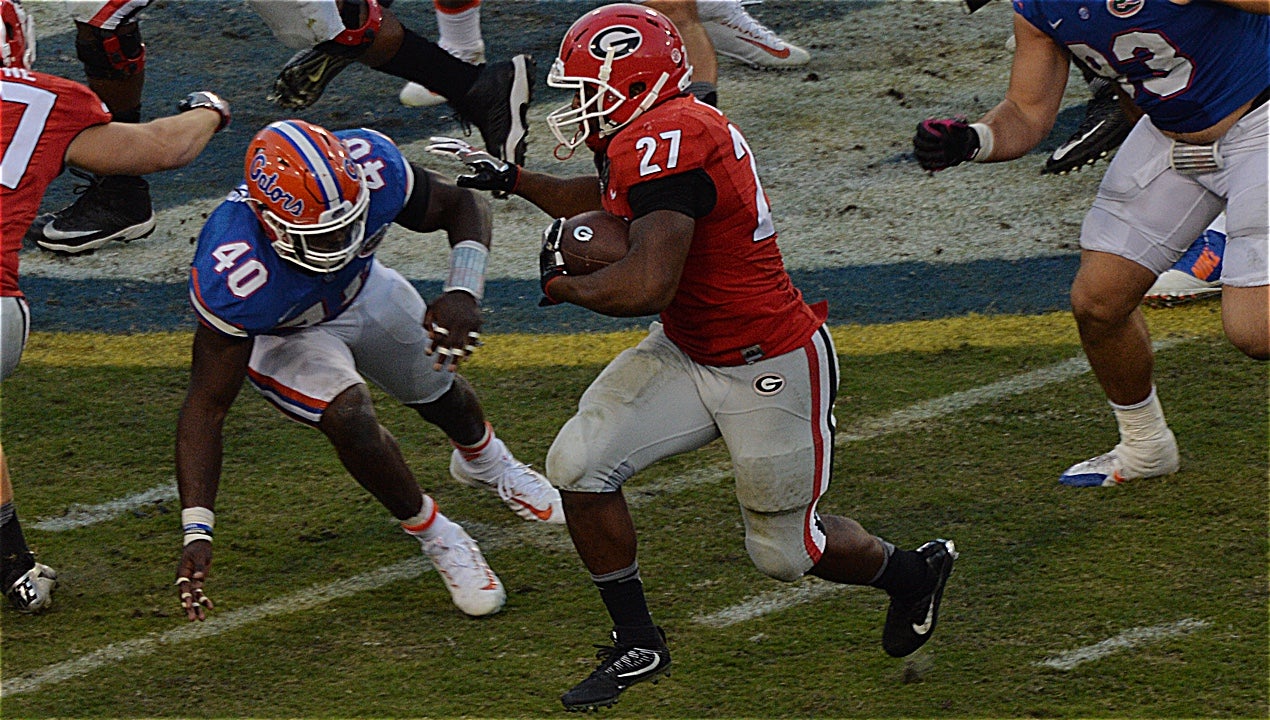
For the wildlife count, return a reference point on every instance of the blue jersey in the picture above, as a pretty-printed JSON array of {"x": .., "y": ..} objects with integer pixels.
[
  {"x": 1187, "y": 66},
  {"x": 241, "y": 287}
]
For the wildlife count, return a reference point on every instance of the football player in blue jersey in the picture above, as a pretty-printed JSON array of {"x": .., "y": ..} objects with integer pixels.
[
  {"x": 289, "y": 296},
  {"x": 1200, "y": 71}
]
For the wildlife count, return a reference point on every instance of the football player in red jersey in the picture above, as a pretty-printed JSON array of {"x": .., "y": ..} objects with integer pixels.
[
  {"x": 51, "y": 122},
  {"x": 737, "y": 354}
]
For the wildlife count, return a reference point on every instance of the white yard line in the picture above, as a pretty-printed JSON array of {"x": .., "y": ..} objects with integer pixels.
[
  {"x": 1124, "y": 641},
  {"x": 808, "y": 590},
  {"x": 84, "y": 515},
  {"x": 216, "y": 624},
  {"x": 757, "y": 606}
]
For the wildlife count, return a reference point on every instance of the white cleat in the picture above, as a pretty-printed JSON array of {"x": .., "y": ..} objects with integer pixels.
[
  {"x": 473, "y": 586},
  {"x": 736, "y": 34},
  {"x": 1113, "y": 468},
  {"x": 520, "y": 487},
  {"x": 415, "y": 95}
]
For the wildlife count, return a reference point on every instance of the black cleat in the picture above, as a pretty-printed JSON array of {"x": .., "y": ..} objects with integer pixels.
[
  {"x": 29, "y": 584},
  {"x": 910, "y": 620},
  {"x": 1105, "y": 126},
  {"x": 115, "y": 207},
  {"x": 621, "y": 666},
  {"x": 498, "y": 105},
  {"x": 305, "y": 76}
]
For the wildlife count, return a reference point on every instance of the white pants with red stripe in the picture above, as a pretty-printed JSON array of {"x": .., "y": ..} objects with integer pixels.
[
  {"x": 379, "y": 337},
  {"x": 776, "y": 416}
]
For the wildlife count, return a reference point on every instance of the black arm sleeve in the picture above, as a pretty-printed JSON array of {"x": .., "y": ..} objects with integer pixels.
[
  {"x": 415, "y": 212},
  {"x": 691, "y": 193}
]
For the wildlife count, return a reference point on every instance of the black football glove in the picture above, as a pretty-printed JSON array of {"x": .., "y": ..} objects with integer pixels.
[
  {"x": 209, "y": 100},
  {"x": 944, "y": 142},
  {"x": 550, "y": 261},
  {"x": 487, "y": 171}
]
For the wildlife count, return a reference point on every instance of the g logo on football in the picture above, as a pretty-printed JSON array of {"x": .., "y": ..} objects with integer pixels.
[
  {"x": 621, "y": 40},
  {"x": 768, "y": 384},
  {"x": 583, "y": 233}
]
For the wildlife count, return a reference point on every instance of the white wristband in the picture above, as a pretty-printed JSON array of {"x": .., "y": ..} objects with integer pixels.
[
  {"x": 467, "y": 269},
  {"x": 197, "y": 524},
  {"x": 985, "y": 142}
]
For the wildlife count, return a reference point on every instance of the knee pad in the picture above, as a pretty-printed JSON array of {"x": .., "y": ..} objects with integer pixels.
[
  {"x": 111, "y": 54},
  {"x": 775, "y": 544},
  {"x": 571, "y": 465}
]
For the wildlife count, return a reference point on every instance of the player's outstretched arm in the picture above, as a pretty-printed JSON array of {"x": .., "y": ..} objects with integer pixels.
[
  {"x": 216, "y": 376},
  {"x": 163, "y": 144},
  {"x": 556, "y": 196}
]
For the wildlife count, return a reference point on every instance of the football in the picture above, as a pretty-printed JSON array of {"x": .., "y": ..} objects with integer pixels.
[{"x": 592, "y": 240}]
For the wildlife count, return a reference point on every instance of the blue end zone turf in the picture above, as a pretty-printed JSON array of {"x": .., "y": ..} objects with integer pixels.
[{"x": 857, "y": 295}]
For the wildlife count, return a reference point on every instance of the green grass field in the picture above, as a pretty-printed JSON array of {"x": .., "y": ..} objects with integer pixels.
[{"x": 1147, "y": 600}]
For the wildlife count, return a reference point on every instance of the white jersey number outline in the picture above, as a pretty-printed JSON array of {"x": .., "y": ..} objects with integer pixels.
[
  {"x": 1173, "y": 70},
  {"x": 39, "y": 103}
]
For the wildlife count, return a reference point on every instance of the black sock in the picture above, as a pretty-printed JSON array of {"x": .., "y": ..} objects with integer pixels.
[
  {"x": 904, "y": 574},
  {"x": 15, "y": 557},
  {"x": 129, "y": 115},
  {"x": 422, "y": 61},
  {"x": 623, "y": 595}
]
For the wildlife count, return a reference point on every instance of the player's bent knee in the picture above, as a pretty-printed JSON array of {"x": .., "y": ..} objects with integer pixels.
[
  {"x": 567, "y": 458},
  {"x": 350, "y": 420},
  {"x": 774, "y": 559},
  {"x": 572, "y": 463},
  {"x": 775, "y": 542}
]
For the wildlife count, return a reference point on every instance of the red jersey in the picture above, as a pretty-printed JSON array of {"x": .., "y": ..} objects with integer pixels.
[
  {"x": 42, "y": 114},
  {"x": 735, "y": 303}
]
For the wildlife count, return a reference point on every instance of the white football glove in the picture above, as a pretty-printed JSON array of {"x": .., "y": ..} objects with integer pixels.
[{"x": 488, "y": 172}]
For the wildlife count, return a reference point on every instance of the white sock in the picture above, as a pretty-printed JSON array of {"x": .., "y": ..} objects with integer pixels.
[
  {"x": 486, "y": 456},
  {"x": 427, "y": 522},
  {"x": 460, "y": 28},
  {"x": 1142, "y": 422}
]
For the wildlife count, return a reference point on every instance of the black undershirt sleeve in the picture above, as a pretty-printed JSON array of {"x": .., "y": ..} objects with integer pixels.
[
  {"x": 691, "y": 193},
  {"x": 415, "y": 210}
]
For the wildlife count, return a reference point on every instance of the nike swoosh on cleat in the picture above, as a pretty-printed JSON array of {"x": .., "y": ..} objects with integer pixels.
[
  {"x": 54, "y": 234},
  {"x": 644, "y": 671},
  {"x": 782, "y": 53},
  {"x": 1067, "y": 147},
  {"x": 925, "y": 626},
  {"x": 543, "y": 515}
]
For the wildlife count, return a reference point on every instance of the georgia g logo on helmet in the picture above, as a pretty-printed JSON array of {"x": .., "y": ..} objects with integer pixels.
[{"x": 621, "y": 40}]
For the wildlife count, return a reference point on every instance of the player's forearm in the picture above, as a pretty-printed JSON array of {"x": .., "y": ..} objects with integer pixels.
[
  {"x": 178, "y": 139},
  {"x": 1014, "y": 133},
  {"x": 199, "y": 451},
  {"x": 557, "y": 196},
  {"x": 138, "y": 149}
]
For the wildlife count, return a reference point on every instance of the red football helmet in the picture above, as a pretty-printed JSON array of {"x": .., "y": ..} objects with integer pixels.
[
  {"x": 310, "y": 196},
  {"x": 621, "y": 59},
  {"x": 17, "y": 35}
]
